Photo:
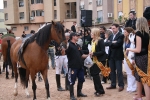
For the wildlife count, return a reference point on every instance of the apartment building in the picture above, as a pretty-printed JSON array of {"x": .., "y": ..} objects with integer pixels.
[
  {"x": 102, "y": 11},
  {"x": 123, "y": 7},
  {"x": 2, "y": 25},
  {"x": 27, "y": 15}
]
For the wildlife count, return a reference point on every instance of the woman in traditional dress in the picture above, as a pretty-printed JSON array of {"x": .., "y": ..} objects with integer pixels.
[
  {"x": 98, "y": 50},
  {"x": 141, "y": 56},
  {"x": 129, "y": 43}
]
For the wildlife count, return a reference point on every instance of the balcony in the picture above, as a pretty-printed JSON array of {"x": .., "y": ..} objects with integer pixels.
[
  {"x": 68, "y": 1},
  {"x": 37, "y": 6},
  {"x": 70, "y": 16},
  {"x": 99, "y": 3},
  {"x": 37, "y": 19}
]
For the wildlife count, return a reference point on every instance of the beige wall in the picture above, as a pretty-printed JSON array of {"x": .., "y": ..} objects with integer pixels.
[
  {"x": 20, "y": 28},
  {"x": 2, "y": 25},
  {"x": 48, "y": 6},
  {"x": 12, "y": 12},
  {"x": 48, "y": 10}
]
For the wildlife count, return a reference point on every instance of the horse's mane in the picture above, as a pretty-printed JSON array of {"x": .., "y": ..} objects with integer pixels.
[{"x": 41, "y": 37}]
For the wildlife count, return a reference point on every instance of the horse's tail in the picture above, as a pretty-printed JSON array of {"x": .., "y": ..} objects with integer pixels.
[
  {"x": 22, "y": 73},
  {"x": 8, "y": 60},
  {"x": 21, "y": 51}
]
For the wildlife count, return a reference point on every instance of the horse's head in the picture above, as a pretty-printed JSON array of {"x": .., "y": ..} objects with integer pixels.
[{"x": 57, "y": 32}]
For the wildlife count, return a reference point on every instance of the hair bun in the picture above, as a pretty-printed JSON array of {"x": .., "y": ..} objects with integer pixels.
[{"x": 146, "y": 13}]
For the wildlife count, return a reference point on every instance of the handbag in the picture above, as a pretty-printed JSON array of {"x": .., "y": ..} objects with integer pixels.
[{"x": 88, "y": 62}]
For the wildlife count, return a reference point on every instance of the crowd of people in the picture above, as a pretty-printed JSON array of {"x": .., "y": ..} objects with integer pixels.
[
  {"x": 128, "y": 47},
  {"x": 112, "y": 44}
]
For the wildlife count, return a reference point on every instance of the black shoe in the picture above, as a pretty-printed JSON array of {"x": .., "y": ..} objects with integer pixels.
[
  {"x": 60, "y": 89},
  {"x": 98, "y": 94},
  {"x": 81, "y": 95},
  {"x": 79, "y": 88},
  {"x": 73, "y": 98}
]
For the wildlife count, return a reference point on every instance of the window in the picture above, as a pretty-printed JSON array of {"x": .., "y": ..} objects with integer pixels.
[
  {"x": 39, "y": 1},
  {"x": 21, "y": 15},
  {"x": 119, "y": 1},
  {"x": 14, "y": 28},
  {"x": 5, "y": 4},
  {"x": 26, "y": 28},
  {"x": 55, "y": 14},
  {"x": 39, "y": 13},
  {"x": 33, "y": 13},
  {"x": 99, "y": 16},
  {"x": 6, "y": 16},
  {"x": 32, "y": 1},
  {"x": 54, "y": 2},
  {"x": 120, "y": 14},
  {"x": 99, "y": 2},
  {"x": 21, "y": 3},
  {"x": 68, "y": 14}
]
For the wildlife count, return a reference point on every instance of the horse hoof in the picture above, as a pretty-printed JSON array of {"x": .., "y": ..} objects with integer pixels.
[
  {"x": 48, "y": 98},
  {"x": 15, "y": 92},
  {"x": 12, "y": 77},
  {"x": 0, "y": 72},
  {"x": 7, "y": 77},
  {"x": 3, "y": 70},
  {"x": 28, "y": 96}
]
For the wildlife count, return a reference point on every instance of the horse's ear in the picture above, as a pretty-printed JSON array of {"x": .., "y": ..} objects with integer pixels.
[
  {"x": 62, "y": 22},
  {"x": 53, "y": 23},
  {"x": 6, "y": 28}
]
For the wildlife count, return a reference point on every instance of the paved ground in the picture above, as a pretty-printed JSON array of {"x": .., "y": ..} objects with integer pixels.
[{"x": 7, "y": 87}]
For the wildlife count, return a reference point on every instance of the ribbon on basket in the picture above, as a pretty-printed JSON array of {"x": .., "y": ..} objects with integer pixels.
[
  {"x": 129, "y": 64},
  {"x": 145, "y": 78},
  {"x": 104, "y": 69}
]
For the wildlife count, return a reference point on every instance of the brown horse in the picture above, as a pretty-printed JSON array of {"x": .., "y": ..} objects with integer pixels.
[
  {"x": 32, "y": 55},
  {"x": 7, "y": 40}
]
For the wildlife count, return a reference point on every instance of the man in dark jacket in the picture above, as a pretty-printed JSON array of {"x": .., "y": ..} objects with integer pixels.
[
  {"x": 75, "y": 66},
  {"x": 73, "y": 27},
  {"x": 102, "y": 32},
  {"x": 116, "y": 57},
  {"x": 132, "y": 20}
]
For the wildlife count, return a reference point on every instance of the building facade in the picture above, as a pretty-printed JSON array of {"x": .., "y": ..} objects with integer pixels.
[
  {"x": 123, "y": 7},
  {"x": 2, "y": 25},
  {"x": 102, "y": 11},
  {"x": 27, "y": 15}
]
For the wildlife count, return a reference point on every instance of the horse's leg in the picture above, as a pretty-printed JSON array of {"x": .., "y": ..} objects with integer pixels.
[
  {"x": 0, "y": 70},
  {"x": 12, "y": 70},
  {"x": 39, "y": 77},
  {"x": 4, "y": 66},
  {"x": 33, "y": 85},
  {"x": 7, "y": 71},
  {"x": 27, "y": 79},
  {"x": 44, "y": 73},
  {"x": 16, "y": 79}
]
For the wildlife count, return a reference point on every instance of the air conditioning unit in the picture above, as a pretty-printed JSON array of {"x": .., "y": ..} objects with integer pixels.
[
  {"x": 81, "y": 6},
  {"x": 109, "y": 15},
  {"x": 31, "y": 18},
  {"x": 90, "y": 2}
]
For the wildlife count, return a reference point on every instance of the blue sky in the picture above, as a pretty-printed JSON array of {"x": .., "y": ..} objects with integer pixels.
[{"x": 1, "y": 4}]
